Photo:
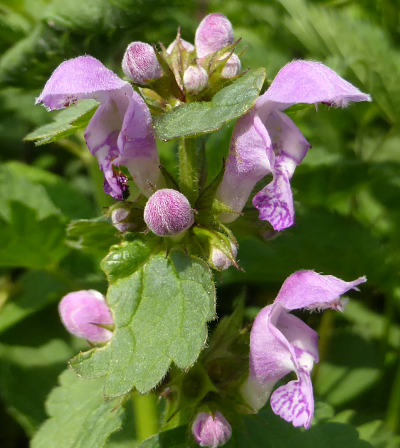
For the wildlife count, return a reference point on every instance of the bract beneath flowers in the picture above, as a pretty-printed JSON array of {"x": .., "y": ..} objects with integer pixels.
[
  {"x": 266, "y": 141},
  {"x": 281, "y": 343},
  {"x": 119, "y": 133}
]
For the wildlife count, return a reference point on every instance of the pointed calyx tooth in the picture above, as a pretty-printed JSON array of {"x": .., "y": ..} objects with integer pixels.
[
  {"x": 140, "y": 63},
  {"x": 168, "y": 213},
  {"x": 195, "y": 79},
  {"x": 214, "y": 33}
]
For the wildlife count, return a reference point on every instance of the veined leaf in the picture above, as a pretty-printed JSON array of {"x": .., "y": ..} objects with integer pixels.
[
  {"x": 79, "y": 416},
  {"x": 65, "y": 123},
  {"x": 229, "y": 103},
  {"x": 160, "y": 311}
]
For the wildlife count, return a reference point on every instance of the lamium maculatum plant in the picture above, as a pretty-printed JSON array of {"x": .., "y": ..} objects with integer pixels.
[{"x": 149, "y": 334}]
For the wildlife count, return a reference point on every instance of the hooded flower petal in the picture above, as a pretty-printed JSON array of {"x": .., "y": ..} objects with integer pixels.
[
  {"x": 307, "y": 82},
  {"x": 80, "y": 78},
  {"x": 250, "y": 159},
  {"x": 307, "y": 289},
  {"x": 119, "y": 133},
  {"x": 297, "y": 82},
  {"x": 281, "y": 343}
]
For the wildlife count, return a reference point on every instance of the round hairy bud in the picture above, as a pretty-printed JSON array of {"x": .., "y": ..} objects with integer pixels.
[
  {"x": 219, "y": 260},
  {"x": 83, "y": 313},
  {"x": 168, "y": 212},
  {"x": 140, "y": 63},
  {"x": 211, "y": 431},
  {"x": 214, "y": 32},
  {"x": 187, "y": 46},
  {"x": 195, "y": 79},
  {"x": 232, "y": 67}
]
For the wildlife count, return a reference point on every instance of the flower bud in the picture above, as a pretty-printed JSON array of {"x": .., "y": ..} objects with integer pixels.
[
  {"x": 185, "y": 44},
  {"x": 82, "y": 312},
  {"x": 219, "y": 260},
  {"x": 140, "y": 63},
  {"x": 118, "y": 219},
  {"x": 211, "y": 431},
  {"x": 168, "y": 212},
  {"x": 195, "y": 79},
  {"x": 232, "y": 67},
  {"x": 214, "y": 32}
]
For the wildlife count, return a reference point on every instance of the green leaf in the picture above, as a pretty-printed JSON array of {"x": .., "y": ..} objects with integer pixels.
[
  {"x": 200, "y": 118},
  {"x": 34, "y": 208},
  {"x": 353, "y": 250},
  {"x": 28, "y": 241},
  {"x": 91, "y": 235},
  {"x": 65, "y": 123},
  {"x": 126, "y": 258},
  {"x": 346, "y": 374},
  {"x": 160, "y": 312},
  {"x": 79, "y": 416},
  {"x": 379, "y": 435},
  {"x": 46, "y": 192},
  {"x": 269, "y": 431},
  {"x": 174, "y": 438},
  {"x": 34, "y": 291}
]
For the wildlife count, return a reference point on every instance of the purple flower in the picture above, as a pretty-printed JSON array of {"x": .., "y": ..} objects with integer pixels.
[
  {"x": 214, "y": 33},
  {"x": 281, "y": 343},
  {"x": 211, "y": 431},
  {"x": 168, "y": 212},
  {"x": 82, "y": 312},
  {"x": 119, "y": 133},
  {"x": 266, "y": 141}
]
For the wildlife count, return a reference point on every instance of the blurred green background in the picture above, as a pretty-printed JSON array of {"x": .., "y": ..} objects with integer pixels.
[{"x": 347, "y": 192}]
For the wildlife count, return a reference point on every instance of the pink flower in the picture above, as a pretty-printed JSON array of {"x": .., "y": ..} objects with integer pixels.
[
  {"x": 281, "y": 343},
  {"x": 266, "y": 141},
  {"x": 119, "y": 133}
]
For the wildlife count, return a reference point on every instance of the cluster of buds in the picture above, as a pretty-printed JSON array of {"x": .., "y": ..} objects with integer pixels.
[{"x": 194, "y": 68}]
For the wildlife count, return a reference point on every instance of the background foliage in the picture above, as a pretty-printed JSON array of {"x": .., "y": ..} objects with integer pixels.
[{"x": 347, "y": 194}]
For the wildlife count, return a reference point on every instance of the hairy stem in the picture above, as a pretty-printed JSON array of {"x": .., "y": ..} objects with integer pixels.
[
  {"x": 190, "y": 164},
  {"x": 146, "y": 415}
]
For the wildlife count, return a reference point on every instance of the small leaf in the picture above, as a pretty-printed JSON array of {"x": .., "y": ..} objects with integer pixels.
[
  {"x": 65, "y": 123},
  {"x": 160, "y": 310},
  {"x": 92, "y": 235},
  {"x": 174, "y": 438},
  {"x": 126, "y": 258},
  {"x": 199, "y": 118},
  {"x": 79, "y": 416},
  {"x": 34, "y": 291}
]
